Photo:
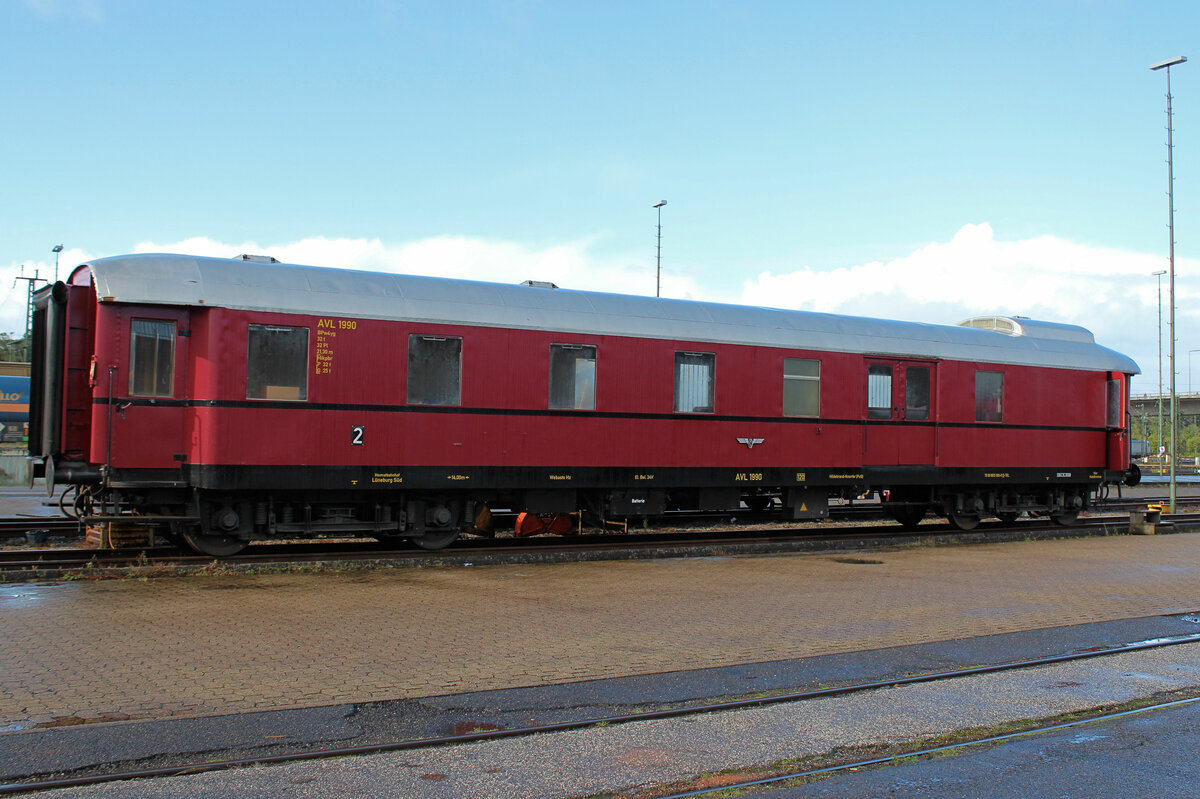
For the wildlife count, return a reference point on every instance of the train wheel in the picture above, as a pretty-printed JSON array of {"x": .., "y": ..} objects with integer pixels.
[
  {"x": 909, "y": 517},
  {"x": 1066, "y": 518},
  {"x": 962, "y": 520},
  {"x": 219, "y": 546},
  {"x": 436, "y": 539},
  {"x": 1008, "y": 517}
]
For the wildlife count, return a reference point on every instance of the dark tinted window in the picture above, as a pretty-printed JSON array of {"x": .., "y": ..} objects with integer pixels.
[
  {"x": 152, "y": 358},
  {"x": 434, "y": 370},
  {"x": 572, "y": 377},
  {"x": 989, "y": 396},
  {"x": 277, "y": 363},
  {"x": 916, "y": 392}
]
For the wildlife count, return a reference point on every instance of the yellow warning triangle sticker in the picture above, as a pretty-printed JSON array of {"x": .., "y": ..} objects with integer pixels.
[{"x": 803, "y": 506}]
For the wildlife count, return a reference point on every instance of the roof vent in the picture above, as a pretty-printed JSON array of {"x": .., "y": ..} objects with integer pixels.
[
  {"x": 258, "y": 259},
  {"x": 1031, "y": 328},
  {"x": 539, "y": 284},
  {"x": 999, "y": 324}
]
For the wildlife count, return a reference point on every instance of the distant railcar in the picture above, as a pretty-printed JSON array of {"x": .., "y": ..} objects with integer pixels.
[
  {"x": 14, "y": 408},
  {"x": 241, "y": 400}
]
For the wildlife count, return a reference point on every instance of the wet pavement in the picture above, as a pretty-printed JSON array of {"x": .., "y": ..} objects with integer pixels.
[
  {"x": 19, "y": 501},
  {"x": 635, "y": 756},
  {"x": 1151, "y": 755},
  {"x": 214, "y": 666},
  {"x": 230, "y": 737},
  {"x": 218, "y": 643}
]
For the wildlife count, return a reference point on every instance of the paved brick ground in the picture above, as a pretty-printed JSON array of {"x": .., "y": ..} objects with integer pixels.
[{"x": 202, "y": 645}]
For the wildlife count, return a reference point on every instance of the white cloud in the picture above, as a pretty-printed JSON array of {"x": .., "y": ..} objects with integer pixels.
[{"x": 1110, "y": 292}]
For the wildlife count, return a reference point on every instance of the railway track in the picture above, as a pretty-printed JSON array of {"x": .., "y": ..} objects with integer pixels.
[
  {"x": 20, "y": 526},
  {"x": 46, "y": 563},
  {"x": 52, "y": 782}
]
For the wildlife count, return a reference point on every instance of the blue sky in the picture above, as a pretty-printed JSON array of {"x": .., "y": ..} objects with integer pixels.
[{"x": 968, "y": 157}]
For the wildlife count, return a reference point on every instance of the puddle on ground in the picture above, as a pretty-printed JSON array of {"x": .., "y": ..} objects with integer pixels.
[
  {"x": 24, "y": 597},
  {"x": 1168, "y": 640}
]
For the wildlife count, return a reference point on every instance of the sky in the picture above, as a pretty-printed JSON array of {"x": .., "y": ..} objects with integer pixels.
[{"x": 926, "y": 161}]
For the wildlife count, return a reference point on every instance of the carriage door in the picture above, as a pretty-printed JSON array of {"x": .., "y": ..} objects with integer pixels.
[
  {"x": 1117, "y": 422},
  {"x": 149, "y": 426},
  {"x": 900, "y": 413}
]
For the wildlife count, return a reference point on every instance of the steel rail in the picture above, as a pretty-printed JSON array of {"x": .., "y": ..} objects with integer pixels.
[
  {"x": 9, "y": 789},
  {"x": 18, "y": 527},
  {"x": 268, "y": 553},
  {"x": 55, "y": 525},
  {"x": 934, "y": 750},
  {"x": 45, "y": 562}
]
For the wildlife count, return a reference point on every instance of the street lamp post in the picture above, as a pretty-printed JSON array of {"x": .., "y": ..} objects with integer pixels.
[
  {"x": 1159, "y": 275},
  {"x": 56, "y": 249},
  {"x": 658, "y": 252},
  {"x": 1170, "y": 62}
]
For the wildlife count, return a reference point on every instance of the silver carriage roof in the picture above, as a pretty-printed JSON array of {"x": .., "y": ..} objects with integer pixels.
[{"x": 285, "y": 288}]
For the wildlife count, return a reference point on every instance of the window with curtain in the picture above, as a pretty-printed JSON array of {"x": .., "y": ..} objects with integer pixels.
[
  {"x": 694, "y": 373},
  {"x": 879, "y": 391}
]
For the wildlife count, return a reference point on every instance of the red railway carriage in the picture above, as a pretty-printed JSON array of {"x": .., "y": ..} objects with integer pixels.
[{"x": 238, "y": 400}]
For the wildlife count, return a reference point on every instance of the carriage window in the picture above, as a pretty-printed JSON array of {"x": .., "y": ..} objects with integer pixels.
[
  {"x": 801, "y": 387},
  {"x": 989, "y": 396},
  {"x": 1114, "y": 403},
  {"x": 694, "y": 382},
  {"x": 916, "y": 392},
  {"x": 879, "y": 391},
  {"x": 434, "y": 370},
  {"x": 277, "y": 363},
  {"x": 572, "y": 377},
  {"x": 152, "y": 359}
]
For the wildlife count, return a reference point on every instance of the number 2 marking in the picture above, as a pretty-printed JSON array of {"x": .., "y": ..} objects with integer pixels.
[{"x": 356, "y": 435}]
